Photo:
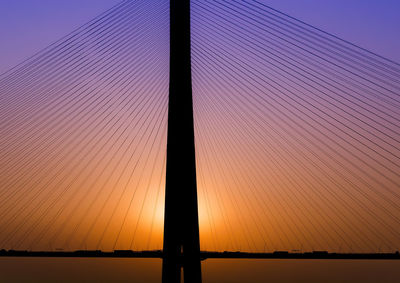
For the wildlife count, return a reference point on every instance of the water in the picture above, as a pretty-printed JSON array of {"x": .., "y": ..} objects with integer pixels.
[{"x": 34, "y": 270}]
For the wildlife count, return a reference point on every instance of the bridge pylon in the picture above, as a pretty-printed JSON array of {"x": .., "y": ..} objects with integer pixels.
[{"x": 181, "y": 225}]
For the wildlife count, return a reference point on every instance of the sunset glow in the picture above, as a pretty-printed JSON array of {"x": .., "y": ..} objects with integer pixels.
[{"x": 296, "y": 147}]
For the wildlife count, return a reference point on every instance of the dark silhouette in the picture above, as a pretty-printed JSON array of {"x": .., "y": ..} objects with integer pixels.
[
  {"x": 205, "y": 255},
  {"x": 181, "y": 226}
]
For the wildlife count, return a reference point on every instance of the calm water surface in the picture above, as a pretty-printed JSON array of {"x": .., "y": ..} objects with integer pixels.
[{"x": 234, "y": 270}]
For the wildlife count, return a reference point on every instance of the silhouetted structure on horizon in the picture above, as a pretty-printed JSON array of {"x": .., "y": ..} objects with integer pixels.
[
  {"x": 181, "y": 226},
  {"x": 204, "y": 255}
]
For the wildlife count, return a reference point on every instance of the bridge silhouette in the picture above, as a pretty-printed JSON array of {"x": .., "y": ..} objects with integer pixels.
[{"x": 293, "y": 134}]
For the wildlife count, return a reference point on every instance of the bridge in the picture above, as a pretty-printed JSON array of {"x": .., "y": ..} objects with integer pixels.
[{"x": 187, "y": 130}]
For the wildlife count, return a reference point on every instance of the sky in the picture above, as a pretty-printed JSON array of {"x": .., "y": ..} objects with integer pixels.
[
  {"x": 27, "y": 26},
  {"x": 297, "y": 136}
]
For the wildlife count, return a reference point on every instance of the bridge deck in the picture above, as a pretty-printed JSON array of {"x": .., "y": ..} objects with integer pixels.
[{"x": 204, "y": 254}]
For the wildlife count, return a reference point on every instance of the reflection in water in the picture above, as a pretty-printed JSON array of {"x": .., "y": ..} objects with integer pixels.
[
  {"x": 16, "y": 270},
  {"x": 301, "y": 271}
]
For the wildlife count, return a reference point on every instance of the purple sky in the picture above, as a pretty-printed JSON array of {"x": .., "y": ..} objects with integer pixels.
[
  {"x": 27, "y": 26},
  {"x": 289, "y": 132}
]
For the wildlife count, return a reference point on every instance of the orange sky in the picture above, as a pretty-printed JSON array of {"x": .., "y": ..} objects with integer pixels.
[{"x": 287, "y": 158}]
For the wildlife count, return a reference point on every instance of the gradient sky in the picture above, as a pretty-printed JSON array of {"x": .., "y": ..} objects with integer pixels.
[
  {"x": 27, "y": 26},
  {"x": 294, "y": 148}
]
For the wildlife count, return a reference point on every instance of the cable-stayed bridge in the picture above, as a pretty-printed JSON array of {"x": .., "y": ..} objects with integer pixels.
[{"x": 296, "y": 134}]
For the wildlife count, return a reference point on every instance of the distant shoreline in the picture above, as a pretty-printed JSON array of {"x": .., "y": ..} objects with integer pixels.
[{"x": 204, "y": 255}]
